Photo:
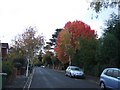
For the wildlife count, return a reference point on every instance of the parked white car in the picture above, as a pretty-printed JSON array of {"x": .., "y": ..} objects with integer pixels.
[
  {"x": 74, "y": 71},
  {"x": 43, "y": 66}
]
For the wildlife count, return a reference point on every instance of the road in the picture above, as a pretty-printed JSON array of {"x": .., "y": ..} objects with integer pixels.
[{"x": 49, "y": 78}]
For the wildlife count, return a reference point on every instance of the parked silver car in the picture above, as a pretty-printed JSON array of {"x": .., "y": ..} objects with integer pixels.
[{"x": 74, "y": 71}]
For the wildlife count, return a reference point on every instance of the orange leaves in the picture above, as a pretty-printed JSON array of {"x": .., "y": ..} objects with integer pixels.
[
  {"x": 78, "y": 28},
  {"x": 62, "y": 40},
  {"x": 68, "y": 38}
]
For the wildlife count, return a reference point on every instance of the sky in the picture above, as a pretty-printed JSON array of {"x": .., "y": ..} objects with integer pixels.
[{"x": 46, "y": 16}]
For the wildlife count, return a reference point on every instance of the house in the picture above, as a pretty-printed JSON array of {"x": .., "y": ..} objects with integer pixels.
[{"x": 4, "y": 50}]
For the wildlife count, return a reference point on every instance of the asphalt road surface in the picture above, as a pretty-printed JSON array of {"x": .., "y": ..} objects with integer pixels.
[{"x": 49, "y": 78}]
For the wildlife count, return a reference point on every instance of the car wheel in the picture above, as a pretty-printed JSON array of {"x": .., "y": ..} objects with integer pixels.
[
  {"x": 102, "y": 86},
  {"x": 70, "y": 75},
  {"x": 66, "y": 74}
]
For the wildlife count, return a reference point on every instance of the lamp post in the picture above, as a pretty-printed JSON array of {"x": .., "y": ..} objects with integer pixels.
[
  {"x": 0, "y": 57},
  {"x": 0, "y": 66}
]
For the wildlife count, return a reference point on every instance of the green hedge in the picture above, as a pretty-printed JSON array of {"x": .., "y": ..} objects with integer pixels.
[{"x": 7, "y": 67}]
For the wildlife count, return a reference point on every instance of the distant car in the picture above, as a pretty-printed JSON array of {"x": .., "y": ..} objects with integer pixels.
[
  {"x": 43, "y": 66},
  {"x": 110, "y": 79},
  {"x": 74, "y": 71}
]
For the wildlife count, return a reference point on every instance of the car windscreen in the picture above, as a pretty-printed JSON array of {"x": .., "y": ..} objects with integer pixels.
[{"x": 77, "y": 69}]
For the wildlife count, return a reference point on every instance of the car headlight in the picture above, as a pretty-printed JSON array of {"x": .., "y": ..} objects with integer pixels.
[{"x": 72, "y": 73}]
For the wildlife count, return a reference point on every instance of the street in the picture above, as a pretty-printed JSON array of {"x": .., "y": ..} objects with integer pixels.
[{"x": 49, "y": 78}]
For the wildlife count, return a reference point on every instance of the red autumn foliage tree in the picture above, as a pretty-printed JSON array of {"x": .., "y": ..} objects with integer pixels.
[
  {"x": 68, "y": 39},
  {"x": 79, "y": 29},
  {"x": 62, "y": 41}
]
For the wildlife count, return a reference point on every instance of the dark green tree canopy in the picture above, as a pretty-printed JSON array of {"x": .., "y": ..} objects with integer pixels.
[{"x": 100, "y": 5}]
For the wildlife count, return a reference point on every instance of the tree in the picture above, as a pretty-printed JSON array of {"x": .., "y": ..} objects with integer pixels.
[
  {"x": 54, "y": 36},
  {"x": 29, "y": 44},
  {"x": 113, "y": 26},
  {"x": 99, "y": 5},
  {"x": 47, "y": 58},
  {"x": 68, "y": 42},
  {"x": 108, "y": 52},
  {"x": 40, "y": 56},
  {"x": 47, "y": 47},
  {"x": 55, "y": 62},
  {"x": 110, "y": 44},
  {"x": 52, "y": 42},
  {"x": 63, "y": 41},
  {"x": 85, "y": 56},
  {"x": 37, "y": 62}
]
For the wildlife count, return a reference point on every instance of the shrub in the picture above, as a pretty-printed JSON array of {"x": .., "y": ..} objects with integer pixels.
[{"x": 7, "y": 67}]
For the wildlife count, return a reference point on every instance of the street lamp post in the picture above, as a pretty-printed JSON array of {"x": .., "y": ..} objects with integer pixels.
[{"x": 0, "y": 66}]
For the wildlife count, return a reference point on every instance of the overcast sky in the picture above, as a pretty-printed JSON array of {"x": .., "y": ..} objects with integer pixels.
[{"x": 45, "y": 15}]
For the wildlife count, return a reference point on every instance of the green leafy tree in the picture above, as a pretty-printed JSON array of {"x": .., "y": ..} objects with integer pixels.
[
  {"x": 108, "y": 47},
  {"x": 56, "y": 63},
  {"x": 54, "y": 38},
  {"x": 52, "y": 42},
  {"x": 37, "y": 62},
  {"x": 111, "y": 43},
  {"x": 40, "y": 56},
  {"x": 47, "y": 61},
  {"x": 100, "y": 5},
  {"x": 85, "y": 56}
]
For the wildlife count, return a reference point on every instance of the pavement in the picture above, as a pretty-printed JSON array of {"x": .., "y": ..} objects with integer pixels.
[
  {"x": 22, "y": 82},
  {"x": 18, "y": 83}
]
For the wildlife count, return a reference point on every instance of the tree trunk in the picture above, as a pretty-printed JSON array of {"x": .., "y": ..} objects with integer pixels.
[
  {"x": 69, "y": 60},
  {"x": 27, "y": 68}
]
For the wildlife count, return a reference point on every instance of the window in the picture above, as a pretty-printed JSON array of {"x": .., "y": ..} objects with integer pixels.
[
  {"x": 116, "y": 73},
  {"x": 109, "y": 72},
  {"x": 106, "y": 72}
]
